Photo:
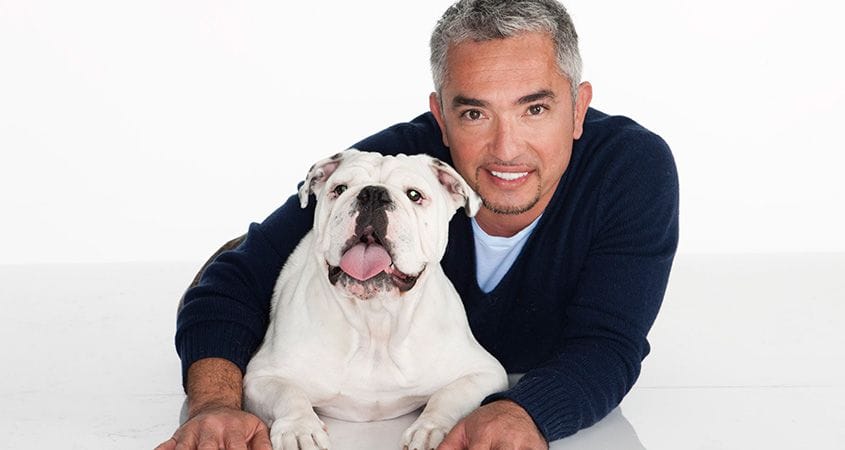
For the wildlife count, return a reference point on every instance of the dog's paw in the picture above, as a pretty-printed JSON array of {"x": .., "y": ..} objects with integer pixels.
[
  {"x": 300, "y": 433},
  {"x": 426, "y": 433}
]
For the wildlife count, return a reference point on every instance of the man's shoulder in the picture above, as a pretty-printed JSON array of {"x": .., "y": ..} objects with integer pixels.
[
  {"x": 420, "y": 135},
  {"x": 607, "y": 129},
  {"x": 617, "y": 155},
  {"x": 617, "y": 139}
]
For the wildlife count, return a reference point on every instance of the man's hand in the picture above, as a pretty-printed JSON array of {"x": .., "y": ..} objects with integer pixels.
[
  {"x": 220, "y": 427},
  {"x": 216, "y": 421},
  {"x": 500, "y": 425}
]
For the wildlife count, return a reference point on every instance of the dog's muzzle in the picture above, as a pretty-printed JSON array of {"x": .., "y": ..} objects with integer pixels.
[{"x": 366, "y": 266}]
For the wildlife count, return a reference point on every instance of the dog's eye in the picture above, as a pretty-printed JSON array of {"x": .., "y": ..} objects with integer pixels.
[
  {"x": 414, "y": 195},
  {"x": 339, "y": 189}
]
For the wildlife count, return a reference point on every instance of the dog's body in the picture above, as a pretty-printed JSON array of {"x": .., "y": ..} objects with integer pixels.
[{"x": 364, "y": 324}]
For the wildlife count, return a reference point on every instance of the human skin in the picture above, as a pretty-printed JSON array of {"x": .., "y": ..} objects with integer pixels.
[
  {"x": 499, "y": 425},
  {"x": 215, "y": 415},
  {"x": 505, "y": 108}
]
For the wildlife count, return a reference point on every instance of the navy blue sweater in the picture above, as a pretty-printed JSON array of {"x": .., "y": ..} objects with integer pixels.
[{"x": 573, "y": 311}]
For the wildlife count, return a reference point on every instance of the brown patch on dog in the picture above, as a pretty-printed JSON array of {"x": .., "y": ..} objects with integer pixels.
[{"x": 234, "y": 243}]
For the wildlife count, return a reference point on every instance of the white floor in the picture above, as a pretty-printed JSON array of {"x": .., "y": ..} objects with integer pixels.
[{"x": 747, "y": 354}]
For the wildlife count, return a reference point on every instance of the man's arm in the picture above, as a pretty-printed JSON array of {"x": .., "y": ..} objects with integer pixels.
[
  {"x": 226, "y": 314},
  {"x": 214, "y": 383},
  {"x": 221, "y": 321},
  {"x": 214, "y": 407}
]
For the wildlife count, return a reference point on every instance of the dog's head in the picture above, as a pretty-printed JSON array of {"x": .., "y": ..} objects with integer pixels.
[{"x": 381, "y": 220}]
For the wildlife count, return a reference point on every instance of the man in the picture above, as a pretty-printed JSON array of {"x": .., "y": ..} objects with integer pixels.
[{"x": 562, "y": 271}]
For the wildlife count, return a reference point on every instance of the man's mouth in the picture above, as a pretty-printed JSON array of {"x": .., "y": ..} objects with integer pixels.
[{"x": 508, "y": 176}]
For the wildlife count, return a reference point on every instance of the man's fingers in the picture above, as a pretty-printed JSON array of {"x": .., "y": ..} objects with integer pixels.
[
  {"x": 186, "y": 441},
  {"x": 496, "y": 426},
  {"x": 219, "y": 428},
  {"x": 208, "y": 441},
  {"x": 261, "y": 438},
  {"x": 489, "y": 446},
  {"x": 261, "y": 441},
  {"x": 235, "y": 440},
  {"x": 169, "y": 444}
]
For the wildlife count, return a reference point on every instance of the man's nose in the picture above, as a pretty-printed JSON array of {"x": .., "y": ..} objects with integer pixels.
[{"x": 505, "y": 142}]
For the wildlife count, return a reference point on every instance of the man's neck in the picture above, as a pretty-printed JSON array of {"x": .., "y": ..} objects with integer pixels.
[{"x": 505, "y": 225}]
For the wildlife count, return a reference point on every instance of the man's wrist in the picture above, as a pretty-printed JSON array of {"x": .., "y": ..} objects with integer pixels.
[
  {"x": 517, "y": 411},
  {"x": 214, "y": 383},
  {"x": 512, "y": 407}
]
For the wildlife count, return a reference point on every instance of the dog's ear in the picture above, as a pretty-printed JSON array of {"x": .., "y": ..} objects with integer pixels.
[
  {"x": 315, "y": 181},
  {"x": 458, "y": 189}
]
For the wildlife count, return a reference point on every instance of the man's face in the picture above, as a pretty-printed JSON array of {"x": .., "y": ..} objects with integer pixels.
[{"x": 507, "y": 114}]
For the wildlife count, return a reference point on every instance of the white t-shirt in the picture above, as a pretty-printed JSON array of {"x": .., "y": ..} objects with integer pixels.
[{"x": 494, "y": 255}]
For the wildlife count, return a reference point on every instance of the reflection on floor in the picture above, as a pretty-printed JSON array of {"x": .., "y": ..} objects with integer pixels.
[{"x": 746, "y": 353}]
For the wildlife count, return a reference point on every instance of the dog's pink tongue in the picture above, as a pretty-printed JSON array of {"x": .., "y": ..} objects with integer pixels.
[{"x": 363, "y": 261}]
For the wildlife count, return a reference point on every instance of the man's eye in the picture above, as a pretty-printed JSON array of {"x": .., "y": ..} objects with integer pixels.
[
  {"x": 472, "y": 114},
  {"x": 536, "y": 110},
  {"x": 414, "y": 195},
  {"x": 339, "y": 189}
]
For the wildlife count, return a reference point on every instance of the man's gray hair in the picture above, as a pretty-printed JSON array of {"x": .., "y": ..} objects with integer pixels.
[{"x": 484, "y": 20}]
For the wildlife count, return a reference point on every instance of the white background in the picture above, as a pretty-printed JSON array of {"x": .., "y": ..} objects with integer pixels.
[{"x": 156, "y": 130}]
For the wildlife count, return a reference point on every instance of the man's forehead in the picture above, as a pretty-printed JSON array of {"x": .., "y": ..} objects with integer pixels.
[{"x": 514, "y": 70}]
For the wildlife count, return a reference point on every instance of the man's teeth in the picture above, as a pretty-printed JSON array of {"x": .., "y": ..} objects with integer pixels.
[{"x": 508, "y": 175}]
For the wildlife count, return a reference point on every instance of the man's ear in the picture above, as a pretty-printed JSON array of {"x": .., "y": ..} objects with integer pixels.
[
  {"x": 458, "y": 189},
  {"x": 436, "y": 110},
  {"x": 585, "y": 95},
  {"x": 315, "y": 181}
]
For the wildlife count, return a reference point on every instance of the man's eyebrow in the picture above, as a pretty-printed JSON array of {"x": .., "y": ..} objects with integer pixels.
[
  {"x": 539, "y": 95},
  {"x": 460, "y": 100}
]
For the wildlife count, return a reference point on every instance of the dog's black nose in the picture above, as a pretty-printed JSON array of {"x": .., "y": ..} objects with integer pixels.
[{"x": 374, "y": 197}]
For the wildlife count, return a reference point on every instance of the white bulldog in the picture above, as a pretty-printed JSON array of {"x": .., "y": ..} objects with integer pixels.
[{"x": 364, "y": 323}]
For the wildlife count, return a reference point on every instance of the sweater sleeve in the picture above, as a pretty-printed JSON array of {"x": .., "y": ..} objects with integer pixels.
[
  {"x": 619, "y": 292},
  {"x": 227, "y": 313}
]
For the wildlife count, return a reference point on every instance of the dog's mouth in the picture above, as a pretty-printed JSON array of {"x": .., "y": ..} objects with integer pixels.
[{"x": 366, "y": 266}]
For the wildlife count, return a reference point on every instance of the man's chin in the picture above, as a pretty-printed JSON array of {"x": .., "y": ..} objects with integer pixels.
[
  {"x": 512, "y": 208},
  {"x": 505, "y": 202}
]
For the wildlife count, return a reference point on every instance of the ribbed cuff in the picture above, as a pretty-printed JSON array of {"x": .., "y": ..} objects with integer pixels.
[
  {"x": 547, "y": 402},
  {"x": 215, "y": 339}
]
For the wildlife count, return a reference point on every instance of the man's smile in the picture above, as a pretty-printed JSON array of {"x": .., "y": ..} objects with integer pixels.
[{"x": 509, "y": 176}]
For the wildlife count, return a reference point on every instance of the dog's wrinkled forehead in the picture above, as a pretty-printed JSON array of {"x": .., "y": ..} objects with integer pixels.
[
  {"x": 348, "y": 165},
  {"x": 359, "y": 170},
  {"x": 353, "y": 168}
]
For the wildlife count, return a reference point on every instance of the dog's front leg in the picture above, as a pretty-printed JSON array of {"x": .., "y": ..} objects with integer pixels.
[
  {"x": 449, "y": 405},
  {"x": 287, "y": 410}
]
